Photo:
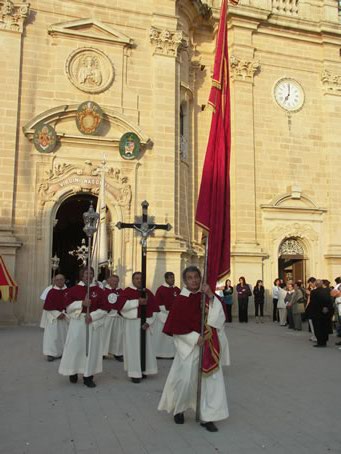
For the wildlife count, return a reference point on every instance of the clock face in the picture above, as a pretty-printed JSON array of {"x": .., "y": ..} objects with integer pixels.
[{"x": 289, "y": 94}]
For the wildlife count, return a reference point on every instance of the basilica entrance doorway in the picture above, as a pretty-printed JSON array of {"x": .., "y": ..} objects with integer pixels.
[
  {"x": 291, "y": 261},
  {"x": 68, "y": 233}
]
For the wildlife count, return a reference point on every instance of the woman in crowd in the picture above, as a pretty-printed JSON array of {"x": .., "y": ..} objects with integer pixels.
[
  {"x": 258, "y": 292},
  {"x": 281, "y": 306},
  {"x": 275, "y": 296},
  {"x": 288, "y": 301},
  {"x": 243, "y": 292},
  {"x": 228, "y": 299},
  {"x": 296, "y": 302}
]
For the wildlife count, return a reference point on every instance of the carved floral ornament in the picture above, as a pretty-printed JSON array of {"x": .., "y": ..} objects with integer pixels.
[
  {"x": 243, "y": 69},
  {"x": 331, "y": 82},
  {"x": 86, "y": 179},
  {"x": 167, "y": 42},
  {"x": 13, "y": 15},
  {"x": 290, "y": 246},
  {"x": 90, "y": 70}
]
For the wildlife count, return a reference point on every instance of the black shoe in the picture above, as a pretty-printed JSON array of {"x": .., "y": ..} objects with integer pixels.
[
  {"x": 144, "y": 376},
  {"x": 119, "y": 358},
  {"x": 210, "y": 426},
  {"x": 136, "y": 380},
  {"x": 50, "y": 358},
  {"x": 88, "y": 381},
  {"x": 73, "y": 378},
  {"x": 338, "y": 343},
  {"x": 320, "y": 345},
  {"x": 179, "y": 418}
]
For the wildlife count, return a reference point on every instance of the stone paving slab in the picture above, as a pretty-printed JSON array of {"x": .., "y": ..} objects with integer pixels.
[{"x": 283, "y": 397}]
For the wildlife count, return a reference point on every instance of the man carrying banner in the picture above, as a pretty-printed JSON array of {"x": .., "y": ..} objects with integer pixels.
[{"x": 183, "y": 323}]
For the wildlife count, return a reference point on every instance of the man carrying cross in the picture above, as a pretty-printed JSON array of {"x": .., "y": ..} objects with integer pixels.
[{"x": 131, "y": 302}]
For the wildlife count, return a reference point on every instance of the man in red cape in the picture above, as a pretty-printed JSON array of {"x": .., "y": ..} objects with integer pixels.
[
  {"x": 56, "y": 324},
  {"x": 113, "y": 324},
  {"x": 165, "y": 296},
  {"x": 129, "y": 305},
  {"x": 74, "y": 360},
  {"x": 183, "y": 323}
]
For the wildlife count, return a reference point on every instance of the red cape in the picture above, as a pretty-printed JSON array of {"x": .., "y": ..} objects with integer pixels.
[
  {"x": 78, "y": 293},
  {"x": 166, "y": 295},
  {"x": 134, "y": 294},
  {"x": 56, "y": 300}
]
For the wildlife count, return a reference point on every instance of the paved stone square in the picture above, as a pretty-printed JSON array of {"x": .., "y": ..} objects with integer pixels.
[{"x": 283, "y": 394}]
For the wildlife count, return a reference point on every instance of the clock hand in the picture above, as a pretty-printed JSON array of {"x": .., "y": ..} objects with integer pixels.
[{"x": 288, "y": 95}]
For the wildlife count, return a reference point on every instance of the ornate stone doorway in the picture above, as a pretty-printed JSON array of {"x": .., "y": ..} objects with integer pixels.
[
  {"x": 68, "y": 233},
  {"x": 291, "y": 260}
]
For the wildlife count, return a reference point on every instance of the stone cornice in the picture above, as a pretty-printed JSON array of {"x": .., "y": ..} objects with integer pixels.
[{"x": 13, "y": 15}]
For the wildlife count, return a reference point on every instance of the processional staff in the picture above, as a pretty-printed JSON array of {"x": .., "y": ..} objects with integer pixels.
[
  {"x": 144, "y": 228},
  {"x": 90, "y": 218}
]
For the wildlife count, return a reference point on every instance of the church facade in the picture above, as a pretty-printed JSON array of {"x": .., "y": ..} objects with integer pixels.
[{"x": 127, "y": 83}]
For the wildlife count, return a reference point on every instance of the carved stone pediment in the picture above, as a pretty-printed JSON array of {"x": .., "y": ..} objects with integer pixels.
[
  {"x": 84, "y": 179},
  {"x": 13, "y": 15},
  {"x": 90, "y": 29}
]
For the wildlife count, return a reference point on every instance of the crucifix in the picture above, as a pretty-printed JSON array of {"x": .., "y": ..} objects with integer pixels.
[{"x": 144, "y": 228}]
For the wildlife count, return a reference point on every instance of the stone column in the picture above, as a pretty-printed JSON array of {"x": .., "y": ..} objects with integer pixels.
[{"x": 12, "y": 19}]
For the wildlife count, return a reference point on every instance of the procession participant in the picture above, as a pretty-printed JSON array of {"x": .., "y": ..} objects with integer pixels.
[
  {"x": 42, "y": 297},
  {"x": 129, "y": 304},
  {"x": 183, "y": 323},
  {"x": 165, "y": 295},
  {"x": 113, "y": 323},
  {"x": 74, "y": 360},
  {"x": 56, "y": 321}
]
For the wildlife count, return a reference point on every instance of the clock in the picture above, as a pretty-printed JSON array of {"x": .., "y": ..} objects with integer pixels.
[{"x": 289, "y": 94}]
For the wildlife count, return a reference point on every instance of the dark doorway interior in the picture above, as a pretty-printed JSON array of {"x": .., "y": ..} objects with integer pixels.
[
  {"x": 68, "y": 233},
  {"x": 291, "y": 267}
]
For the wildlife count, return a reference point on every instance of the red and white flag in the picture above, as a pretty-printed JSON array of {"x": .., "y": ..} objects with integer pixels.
[{"x": 213, "y": 208}]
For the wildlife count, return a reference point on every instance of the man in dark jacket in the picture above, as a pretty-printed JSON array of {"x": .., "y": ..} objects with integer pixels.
[{"x": 320, "y": 309}]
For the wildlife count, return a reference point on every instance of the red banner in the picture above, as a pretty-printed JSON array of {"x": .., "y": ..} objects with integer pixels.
[{"x": 213, "y": 208}]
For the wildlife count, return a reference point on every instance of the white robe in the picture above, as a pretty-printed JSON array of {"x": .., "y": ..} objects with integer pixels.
[
  {"x": 117, "y": 335},
  {"x": 74, "y": 359},
  {"x": 43, "y": 296},
  {"x": 54, "y": 334},
  {"x": 108, "y": 324},
  {"x": 180, "y": 391},
  {"x": 132, "y": 342},
  {"x": 163, "y": 344}
]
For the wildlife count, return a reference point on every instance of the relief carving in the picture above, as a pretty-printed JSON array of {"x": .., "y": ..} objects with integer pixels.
[
  {"x": 295, "y": 230},
  {"x": 84, "y": 179},
  {"x": 90, "y": 70},
  {"x": 13, "y": 15},
  {"x": 167, "y": 42},
  {"x": 331, "y": 82},
  {"x": 243, "y": 69}
]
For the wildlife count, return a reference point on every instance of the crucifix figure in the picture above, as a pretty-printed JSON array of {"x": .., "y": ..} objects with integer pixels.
[{"x": 144, "y": 228}]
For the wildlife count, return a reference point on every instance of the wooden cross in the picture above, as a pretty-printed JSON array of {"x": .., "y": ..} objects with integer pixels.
[{"x": 144, "y": 228}]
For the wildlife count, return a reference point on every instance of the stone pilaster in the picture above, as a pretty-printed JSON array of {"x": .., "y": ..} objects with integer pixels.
[{"x": 12, "y": 20}]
